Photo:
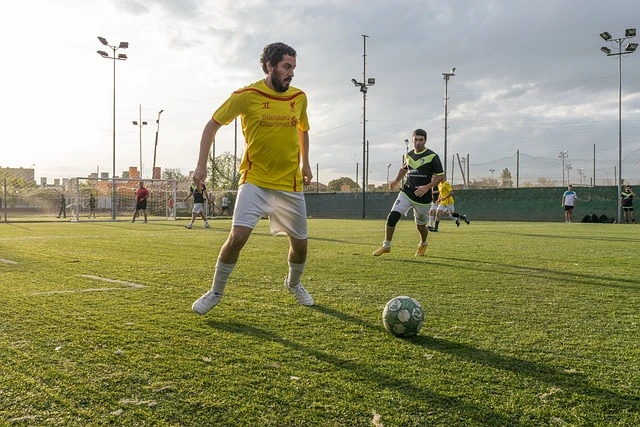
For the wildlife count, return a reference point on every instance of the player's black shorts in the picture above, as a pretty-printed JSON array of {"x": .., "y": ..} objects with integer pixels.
[
  {"x": 568, "y": 208},
  {"x": 141, "y": 205},
  {"x": 627, "y": 208}
]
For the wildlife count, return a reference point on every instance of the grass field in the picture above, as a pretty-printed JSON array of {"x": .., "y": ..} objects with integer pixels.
[{"x": 527, "y": 324}]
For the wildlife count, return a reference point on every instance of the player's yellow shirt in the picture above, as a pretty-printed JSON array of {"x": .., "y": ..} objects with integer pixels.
[
  {"x": 270, "y": 124},
  {"x": 444, "y": 188}
]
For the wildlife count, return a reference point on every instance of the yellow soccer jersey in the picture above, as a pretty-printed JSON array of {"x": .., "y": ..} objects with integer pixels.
[
  {"x": 270, "y": 124},
  {"x": 444, "y": 188}
]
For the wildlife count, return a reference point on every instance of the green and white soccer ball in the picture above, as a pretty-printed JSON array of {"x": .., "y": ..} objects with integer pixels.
[{"x": 403, "y": 316}]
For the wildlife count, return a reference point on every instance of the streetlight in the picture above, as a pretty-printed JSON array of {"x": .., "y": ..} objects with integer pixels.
[
  {"x": 492, "y": 171},
  {"x": 446, "y": 77},
  {"x": 568, "y": 167},
  {"x": 581, "y": 173},
  {"x": 388, "y": 166},
  {"x": 155, "y": 147},
  {"x": 140, "y": 124},
  {"x": 629, "y": 33},
  {"x": 120, "y": 57},
  {"x": 363, "y": 88},
  {"x": 563, "y": 155}
]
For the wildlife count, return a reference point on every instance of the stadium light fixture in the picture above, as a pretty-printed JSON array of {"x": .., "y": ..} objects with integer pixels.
[
  {"x": 155, "y": 145},
  {"x": 446, "y": 77},
  {"x": 120, "y": 57},
  {"x": 631, "y": 47},
  {"x": 140, "y": 124},
  {"x": 363, "y": 89},
  {"x": 563, "y": 155}
]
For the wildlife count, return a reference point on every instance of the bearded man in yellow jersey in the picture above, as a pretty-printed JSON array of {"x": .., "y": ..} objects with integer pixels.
[{"x": 274, "y": 169}]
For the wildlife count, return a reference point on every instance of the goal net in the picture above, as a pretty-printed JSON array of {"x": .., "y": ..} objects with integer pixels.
[{"x": 115, "y": 199}]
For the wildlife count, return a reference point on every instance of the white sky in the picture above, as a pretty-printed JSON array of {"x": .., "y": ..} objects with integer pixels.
[{"x": 530, "y": 77}]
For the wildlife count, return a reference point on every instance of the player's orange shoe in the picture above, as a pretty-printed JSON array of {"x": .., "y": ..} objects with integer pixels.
[
  {"x": 422, "y": 250},
  {"x": 381, "y": 250}
]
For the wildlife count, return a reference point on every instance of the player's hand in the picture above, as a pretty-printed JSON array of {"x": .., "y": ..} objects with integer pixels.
[
  {"x": 421, "y": 190},
  {"x": 199, "y": 176},
  {"x": 307, "y": 175}
]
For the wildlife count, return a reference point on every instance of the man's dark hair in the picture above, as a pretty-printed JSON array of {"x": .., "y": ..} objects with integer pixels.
[{"x": 273, "y": 53}]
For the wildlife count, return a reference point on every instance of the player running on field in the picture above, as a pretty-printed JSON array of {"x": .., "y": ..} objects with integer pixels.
[
  {"x": 274, "y": 168},
  {"x": 423, "y": 170},
  {"x": 446, "y": 208}
]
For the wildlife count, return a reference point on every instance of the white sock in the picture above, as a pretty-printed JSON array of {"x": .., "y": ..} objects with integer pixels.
[
  {"x": 221, "y": 276},
  {"x": 386, "y": 243},
  {"x": 295, "y": 273}
]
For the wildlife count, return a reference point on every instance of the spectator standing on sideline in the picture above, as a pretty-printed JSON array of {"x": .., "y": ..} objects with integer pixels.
[
  {"x": 199, "y": 197},
  {"x": 142, "y": 194},
  {"x": 274, "y": 169},
  {"x": 92, "y": 206},
  {"x": 569, "y": 201},
  {"x": 225, "y": 205},
  {"x": 63, "y": 206},
  {"x": 423, "y": 170},
  {"x": 446, "y": 207},
  {"x": 626, "y": 202}
]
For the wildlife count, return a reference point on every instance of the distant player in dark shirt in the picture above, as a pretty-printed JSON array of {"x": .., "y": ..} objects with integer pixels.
[
  {"x": 423, "y": 170},
  {"x": 199, "y": 197},
  {"x": 626, "y": 201}
]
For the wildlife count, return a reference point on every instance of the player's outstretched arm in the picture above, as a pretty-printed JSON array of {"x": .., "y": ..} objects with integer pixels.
[{"x": 207, "y": 139}]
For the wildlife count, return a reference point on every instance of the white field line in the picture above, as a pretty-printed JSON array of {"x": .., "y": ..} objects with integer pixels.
[
  {"x": 8, "y": 261},
  {"x": 127, "y": 285}
]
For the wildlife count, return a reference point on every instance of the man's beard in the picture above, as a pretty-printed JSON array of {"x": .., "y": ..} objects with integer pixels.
[{"x": 278, "y": 84}]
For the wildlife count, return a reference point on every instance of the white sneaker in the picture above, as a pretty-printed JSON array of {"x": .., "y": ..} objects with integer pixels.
[
  {"x": 299, "y": 292},
  {"x": 206, "y": 302},
  {"x": 206, "y": 225},
  {"x": 189, "y": 226}
]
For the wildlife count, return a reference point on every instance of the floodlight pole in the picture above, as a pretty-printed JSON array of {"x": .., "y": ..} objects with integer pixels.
[
  {"x": 363, "y": 88},
  {"x": 631, "y": 47},
  {"x": 563, "y": 155},
  {"x": 446, "y": 77},
  {"x": 120, "y": 57},
  {"x": 155, "y": 146},
  {"x": 140, "y": 124}
]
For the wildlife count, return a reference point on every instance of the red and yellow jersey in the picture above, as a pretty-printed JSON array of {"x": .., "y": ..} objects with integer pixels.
[
  {"x": 270, "y": 124},
  {"x": 445, "y": 189}
]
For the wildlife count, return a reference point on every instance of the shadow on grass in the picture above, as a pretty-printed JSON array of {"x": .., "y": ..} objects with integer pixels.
[
  {"x": 568, "y": 382},
  {"x": 575, "y": 236},
  {"x": 447, "y": 404},
  {"x": 344, "y": 317},
  {"x": 523, "y": 270}
]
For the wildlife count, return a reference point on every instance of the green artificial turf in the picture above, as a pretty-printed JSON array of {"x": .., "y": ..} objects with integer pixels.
[{"x": 527, "y": 324}]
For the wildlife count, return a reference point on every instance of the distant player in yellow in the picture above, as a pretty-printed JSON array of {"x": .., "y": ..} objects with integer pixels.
[
  {"x": 446, "y": 206},
  {"x": 274, "y": 169}
]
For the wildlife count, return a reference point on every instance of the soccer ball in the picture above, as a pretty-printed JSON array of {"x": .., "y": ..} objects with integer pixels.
[{"x": 403, "y": 316}]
